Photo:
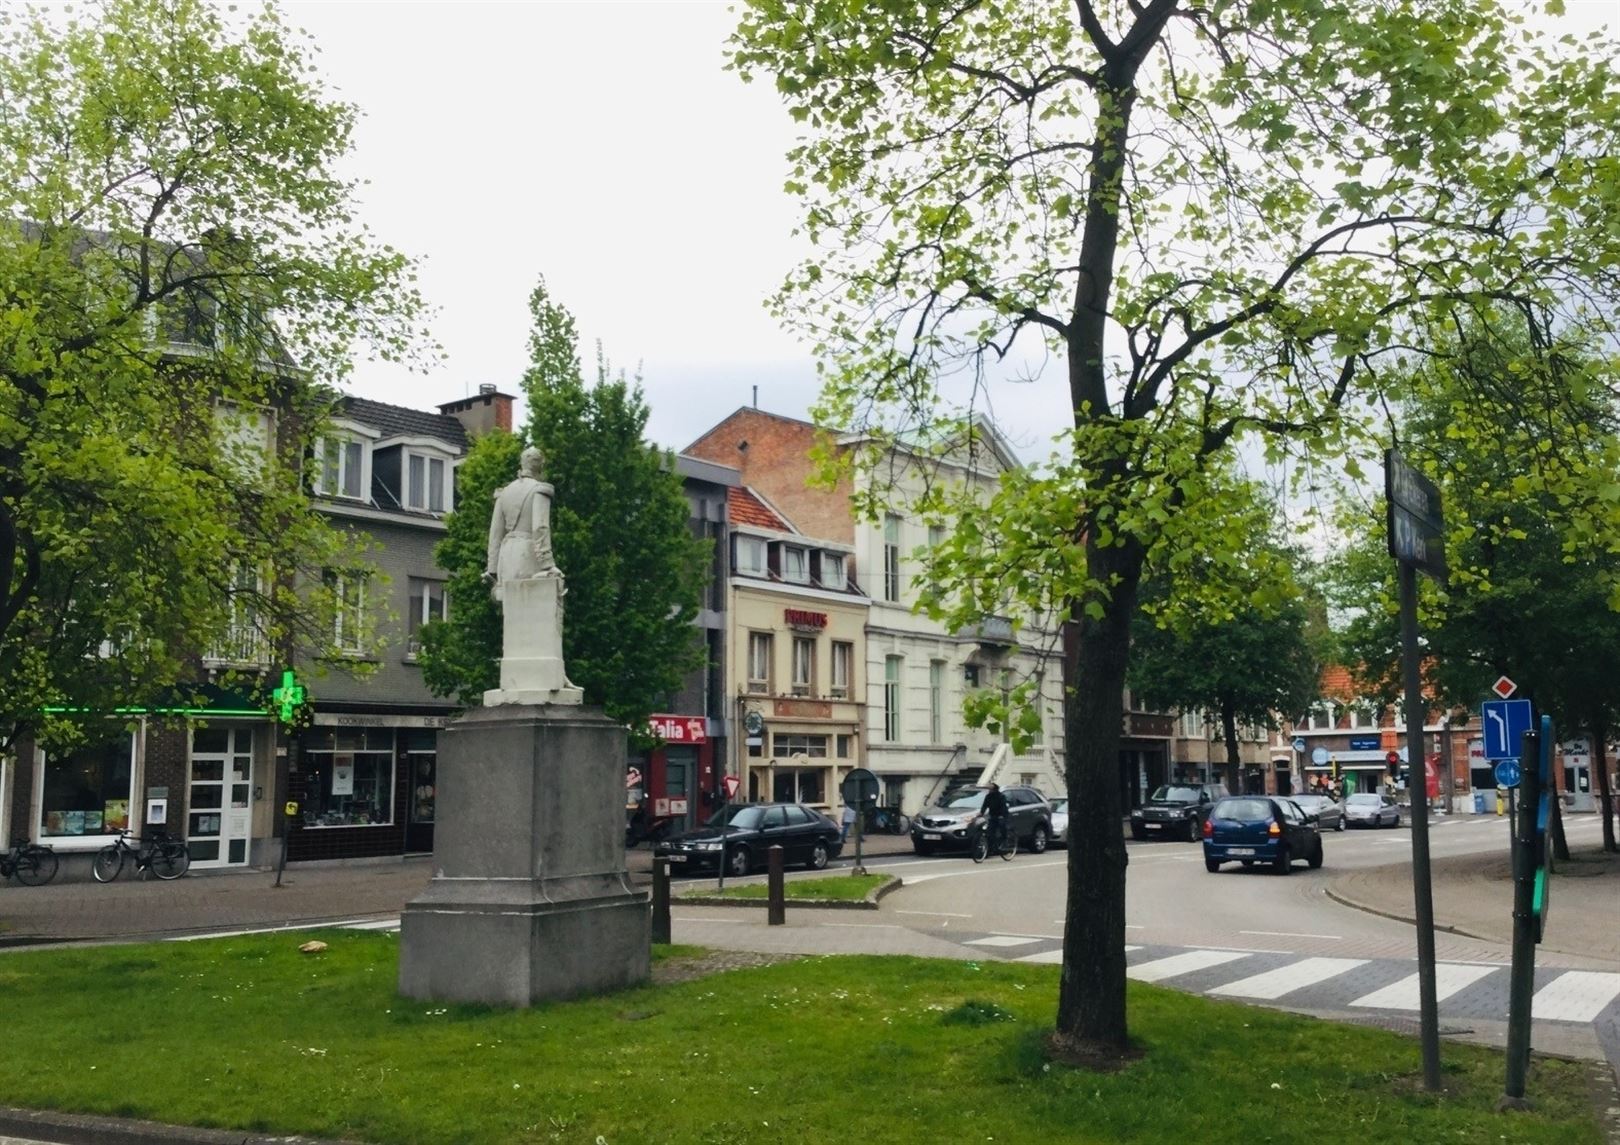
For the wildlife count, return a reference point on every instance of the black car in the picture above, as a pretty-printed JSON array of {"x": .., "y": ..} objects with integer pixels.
[
  {"x": 1176, "y": 809},
  {"x": 955, "y": 822},
  {"x": 1252, "y": 829},
  {"x": 740, "y": 834}
]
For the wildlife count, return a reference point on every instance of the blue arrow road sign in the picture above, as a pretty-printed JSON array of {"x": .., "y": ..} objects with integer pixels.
[
  {"x": 1505, "y": 723},
  {"x": 1507, "y": 773}
]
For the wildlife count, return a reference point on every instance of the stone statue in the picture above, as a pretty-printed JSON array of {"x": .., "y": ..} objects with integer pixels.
[{"x": 524, "y": 577}]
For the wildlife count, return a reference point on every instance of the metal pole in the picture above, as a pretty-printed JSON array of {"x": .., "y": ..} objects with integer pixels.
[
  {"x": 660, "y": 900},
  {"x": 860, "y": 833},
  {"x": 1422, "y": 885},
  {"x": 1522, "y": 977}
]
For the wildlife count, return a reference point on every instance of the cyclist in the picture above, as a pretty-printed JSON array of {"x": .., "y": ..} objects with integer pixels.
[{"x": 995, "y": 811}]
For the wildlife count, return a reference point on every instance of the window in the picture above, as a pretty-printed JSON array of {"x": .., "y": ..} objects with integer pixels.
[
  {"x": 1362, "y": 715},
  {"x": 797, "y": 785},
  {"x": 787, "y": 745},
  {"x": 426, "y": 487},
  {"x": 86, "y": 791},
  {"x": 759, "y": 662},
  {"x": 1321, "y": 716},
  {"x": 342, "y": 468},
  {"x": 242, "y": 642},
  {"x": 750, "y": 557},
  {"x": 1192, "y": 725},
  {"x": 833, "y": 571},
  {"x": 936, "y": 538},
  {"x": 348, "y": 778},
  {"x": 841, "y": 745},
  {"x": 891, "y": 699},
  {"x": 428, "y": 602},
  {"x": 348, "y": 609},
  {"x": 420, "y": 750},
  {"x": 936, "y": 701},
  {"x": 795, "y": 565},
  {"x": 804, "y": 665},
  {"x": 891, "y": 557},
  {"x": 1037, "y": 735},
  {"x": 970, "y": 675},
  {"x": 843, "y": 655}
]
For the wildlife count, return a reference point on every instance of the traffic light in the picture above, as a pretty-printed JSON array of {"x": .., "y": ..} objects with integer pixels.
[{"x": 1393, "y": 759}]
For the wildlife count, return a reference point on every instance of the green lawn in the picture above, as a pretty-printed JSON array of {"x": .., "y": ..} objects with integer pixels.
[
  {"x": 834, "y": 888},
  {"x": 250, "y": 1034}
]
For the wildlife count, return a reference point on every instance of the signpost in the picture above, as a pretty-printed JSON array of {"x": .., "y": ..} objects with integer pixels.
[
  {"x": 1415, "y": 527},
  {"x": 860, "y": 787},
  {"x": 1505, "y": 722},
  {"x": 1529, "y": 902}
]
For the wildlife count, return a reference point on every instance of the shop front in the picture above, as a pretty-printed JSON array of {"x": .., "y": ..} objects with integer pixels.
[{"x": 671, "y": 787}]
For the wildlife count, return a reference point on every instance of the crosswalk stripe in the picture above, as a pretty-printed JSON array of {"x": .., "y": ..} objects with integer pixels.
[
  {"x": 1575, "y": 996},
  {"x": 1055, "y": 957},
  {"x": 1449, "y": 977},
  {"x": 1287, "y": 979},
  {"x": 1161, "y": 968},
  {"x": 1000, "y": 940}
]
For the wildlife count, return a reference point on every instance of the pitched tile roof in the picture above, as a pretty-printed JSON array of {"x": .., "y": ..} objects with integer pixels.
[
  {"x": 745, "y": 507},
  {"x": 401, "y": 421}
]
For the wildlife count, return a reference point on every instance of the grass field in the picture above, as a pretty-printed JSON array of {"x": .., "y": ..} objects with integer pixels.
[
  {"x": 833, "y": 888},
  {"x": 248, "y": 1033}
]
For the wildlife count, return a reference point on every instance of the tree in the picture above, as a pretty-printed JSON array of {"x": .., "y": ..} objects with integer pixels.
[
  {"x": 1222, "y": 220},
  {"x": 177, "y": 256},
  {"x": 621, "y": 534}
]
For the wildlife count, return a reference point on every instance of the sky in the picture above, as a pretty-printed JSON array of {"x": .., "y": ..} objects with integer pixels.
[{"x": 603, "y": 145}]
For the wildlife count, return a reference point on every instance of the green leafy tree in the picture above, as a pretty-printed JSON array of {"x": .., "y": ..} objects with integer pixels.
[
  {"x": 621, "y": 534},
  {"x": 177, "y": 255},
  {"x": 1220, "y": 220}
]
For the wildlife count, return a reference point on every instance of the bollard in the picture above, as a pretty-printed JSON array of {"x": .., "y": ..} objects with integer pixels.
[
  {"x": 660, "y": 900},
  {"x": 776, "y": 915}
]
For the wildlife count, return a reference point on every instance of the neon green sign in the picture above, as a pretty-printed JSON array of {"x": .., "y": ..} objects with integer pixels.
[{"x": 289, "y": 697}]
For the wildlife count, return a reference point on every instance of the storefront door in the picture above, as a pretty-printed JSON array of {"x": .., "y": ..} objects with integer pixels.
[
  {"x": 219, "y": 819},
  {"x": 680, "y": 774}
]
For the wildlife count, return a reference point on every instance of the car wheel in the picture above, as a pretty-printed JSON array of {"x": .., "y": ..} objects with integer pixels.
[
  {"x": 1284, "y": 860},
  {"x": 737, "y": 863},
  {"x": 1138, "y": 834},
  {"x": 1397, "y": 822},
  {"x": 1193, "y": 830},
  {"x": 922, "y": 849},
  {"x": 818, "y": 857},
  {"x": 1213, "y": 865},
  {"x": 1037, "y": 840},
  {"x": 1316, "y": 856},
  {"x": 1340, "y": 825}
]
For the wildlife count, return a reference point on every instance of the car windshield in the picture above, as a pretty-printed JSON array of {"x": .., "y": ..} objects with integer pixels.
[
  {"x": 1308, "y": 800},
  {"x": 1368, "y": 800},
  {"x": 1176, "y": 795},
  {"x": 744, "y": 816},
  {"x": 970, "y": 800},
  {"x": 1060, "y": 805},
  {"x": 1243, "y": 810}
]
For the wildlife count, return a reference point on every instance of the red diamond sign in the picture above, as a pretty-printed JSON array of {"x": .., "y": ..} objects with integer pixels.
[{"x": 1504, "y": 687}]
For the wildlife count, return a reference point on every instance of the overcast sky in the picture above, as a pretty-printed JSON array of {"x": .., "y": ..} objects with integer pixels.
[{"x": 603, "y": 145}]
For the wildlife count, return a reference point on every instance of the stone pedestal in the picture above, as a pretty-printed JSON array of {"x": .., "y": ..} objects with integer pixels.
[
  {"x": 530, "y": 899},
  {"x": 531, "y": 642}
]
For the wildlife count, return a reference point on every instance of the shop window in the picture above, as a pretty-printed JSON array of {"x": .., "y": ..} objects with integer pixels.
[
  {"x": 784, "y": 746},
  {"x": 421, "y": 751},
  {"x": 349, "y": 778},
  {"x": 799, "y": 785},
  {"x": 87, "y": 790}
]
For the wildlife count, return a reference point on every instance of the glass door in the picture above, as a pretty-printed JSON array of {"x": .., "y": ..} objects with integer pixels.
[{"x": 219, "y": 818}]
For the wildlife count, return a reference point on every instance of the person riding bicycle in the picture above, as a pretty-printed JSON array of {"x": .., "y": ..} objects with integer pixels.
[{"x": 995, "y": 811}]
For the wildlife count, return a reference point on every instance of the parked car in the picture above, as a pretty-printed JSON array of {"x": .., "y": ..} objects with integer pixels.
[
  {"x": 740, "y": 833},
  {"x": 1252, "y": 829},
  {"x": 954, "y": 824},
  {"x": 1060, "y": 821},
  {"x": 1369, "y": 809},
  {"x": 1327, "y": 811},
  {"x": 1176, "y": 809}
]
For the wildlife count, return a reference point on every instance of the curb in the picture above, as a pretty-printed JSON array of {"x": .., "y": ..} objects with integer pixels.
[
  {"x": 91, "y": 1129},
  {"x": 870, "y": 902},
  {"x": 1343, "y": 899}
]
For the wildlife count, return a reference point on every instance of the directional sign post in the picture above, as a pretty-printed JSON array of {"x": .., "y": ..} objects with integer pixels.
[
  {"x": 1507, "y": 773},
  {"x": 1505, "y": 722}
]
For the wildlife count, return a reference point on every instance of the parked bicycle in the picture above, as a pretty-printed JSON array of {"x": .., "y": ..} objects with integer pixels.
[
  {"x": 31, "y": 864},
  {"x": 997, "y": 838},
  {"x": 886, "y": 821},
  {"x": 164, "y": 856}
]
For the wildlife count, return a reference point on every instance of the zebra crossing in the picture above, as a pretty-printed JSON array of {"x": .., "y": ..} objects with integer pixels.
[{"x": 1476, "y": 990}]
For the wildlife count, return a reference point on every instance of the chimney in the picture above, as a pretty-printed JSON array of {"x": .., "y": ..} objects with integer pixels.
[{"x": 488, "y": 409}]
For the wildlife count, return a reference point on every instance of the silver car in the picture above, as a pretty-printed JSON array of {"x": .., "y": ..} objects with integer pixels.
[
  {"x": 1328, "y": 813},
  {"x": 1060, "y": 822},
  {"x": 1368, "y": 809}
]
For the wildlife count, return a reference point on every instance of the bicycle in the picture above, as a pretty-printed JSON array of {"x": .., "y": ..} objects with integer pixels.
[
  {"x": 1004, "y": 844},
  {"x": 33, "y": 865},
  {"x": 886, "y": 821},
  {"x": 165, "y": 857}
]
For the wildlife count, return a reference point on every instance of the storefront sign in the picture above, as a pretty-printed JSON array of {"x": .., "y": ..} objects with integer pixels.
[
  {"x": 359, "y": 720},
  {"x": 803, "y": 709},
  {"x": 1365, "y": 743},
  {"x": 679, "y": 729},
  {"x": 799, "y": 618}
]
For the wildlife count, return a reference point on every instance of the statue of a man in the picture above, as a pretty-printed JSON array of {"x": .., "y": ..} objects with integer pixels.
[{"x": 520, "y": 527}]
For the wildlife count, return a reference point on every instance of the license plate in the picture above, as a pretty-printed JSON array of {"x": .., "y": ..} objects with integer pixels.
[
  {"x": 932, "y": 838},
  {"x": 676, "y": 858},
  {"x": 1153, "y": 826},
  {"x": 1240, "y": 850}
]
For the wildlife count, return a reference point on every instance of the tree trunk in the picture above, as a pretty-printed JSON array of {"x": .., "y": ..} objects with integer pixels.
[
  {"x": 1555, "y": 806},
  {"x": 1091, "y": 991},
  {"x": 1234, "y": 764},
  {"x": 1600, "y": 760}
]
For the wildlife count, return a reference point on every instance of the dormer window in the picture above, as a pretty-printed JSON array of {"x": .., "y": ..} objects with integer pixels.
[
  {"x": 427, "y": 483},
  {"x": 342, "y": 468},
  {"x": 795, "y": 565},
  {"x": 833, "y": 573},
  {"x": 750, "y": 556}
]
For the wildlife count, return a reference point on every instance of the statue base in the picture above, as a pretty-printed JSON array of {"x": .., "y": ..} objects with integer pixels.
[
  {"x": 531, "y": 632},
  {"x": 530, "y": 900}
]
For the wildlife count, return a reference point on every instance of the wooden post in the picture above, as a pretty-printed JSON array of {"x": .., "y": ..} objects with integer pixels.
[
  {"x": 660, "y": 900},
  {"x": 777, "y": 912}
]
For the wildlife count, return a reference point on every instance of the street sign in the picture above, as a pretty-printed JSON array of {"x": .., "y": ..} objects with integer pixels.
[
  {"x": 1504, "y": 687},
  {"x": 1505, "y": 722},
  {"x": 1507, "y": 773},
  {"x": 1319, "y": 756},
  {"x": 732, "y": 783},
  {"x": 1431, "y": 776},
  {"x": 859, "y": 786},
  {"x": 1414, "y": 521},
  {"x": 1299, "y": 744}
]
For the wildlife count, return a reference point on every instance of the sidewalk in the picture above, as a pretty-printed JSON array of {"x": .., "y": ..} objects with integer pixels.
[{"x": 1473, "y": 896}]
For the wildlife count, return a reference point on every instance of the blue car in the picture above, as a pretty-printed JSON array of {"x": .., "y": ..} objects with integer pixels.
[{"x": 1252, "y": 829}]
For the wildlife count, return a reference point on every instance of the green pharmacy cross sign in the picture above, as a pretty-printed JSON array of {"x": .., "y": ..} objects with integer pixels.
[{"x": 289, "y": 697}]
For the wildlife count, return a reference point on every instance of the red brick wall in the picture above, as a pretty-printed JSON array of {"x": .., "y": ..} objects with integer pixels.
[
  {"x": 777, "y": 463},
  {"x": 20, "y": 793},
  {"x": 166, "y": 766}
]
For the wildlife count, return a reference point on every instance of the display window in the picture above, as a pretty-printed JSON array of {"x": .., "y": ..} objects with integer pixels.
[
  {"x": 87, "y": 790},
  {"x": 349, "y": 778},
  {"x": 420, "y": 751}
]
